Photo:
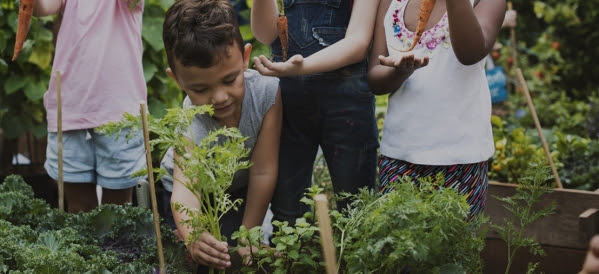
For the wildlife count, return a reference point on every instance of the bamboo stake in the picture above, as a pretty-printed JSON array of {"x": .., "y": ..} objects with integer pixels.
[
  {"x": 326, "y": 234},
  {"x": 144, "y": 118},
  {"x": 513, "y": 39},
  {"x": 59, "y": 141},
  {"x": 538, "y": 126}
]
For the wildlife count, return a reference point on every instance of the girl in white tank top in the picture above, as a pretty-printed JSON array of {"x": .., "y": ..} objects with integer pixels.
[{"x": 438, "y": 117}]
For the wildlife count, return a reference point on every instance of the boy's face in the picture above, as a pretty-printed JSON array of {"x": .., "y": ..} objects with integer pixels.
[{"x": 221, "y": 85}]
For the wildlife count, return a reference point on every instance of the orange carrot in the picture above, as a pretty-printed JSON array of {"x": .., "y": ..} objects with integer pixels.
[
  {"x": 282, "y": 29},
  {"x": 426, "y": 8},
  {"x": 24, "y": 19}
]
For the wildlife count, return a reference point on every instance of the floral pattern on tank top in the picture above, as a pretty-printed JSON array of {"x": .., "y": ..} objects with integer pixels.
[{"x": 432, "y": 38}]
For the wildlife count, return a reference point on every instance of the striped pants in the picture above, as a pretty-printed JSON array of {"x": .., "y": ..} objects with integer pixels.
[{"x": 467, "y": 179}]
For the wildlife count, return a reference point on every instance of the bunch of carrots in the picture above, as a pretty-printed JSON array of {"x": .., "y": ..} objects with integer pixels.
[
  {"x": 426, "y": 8},
  {"x": 24, "y": 19},
  {"x": 283, "y": 28}
]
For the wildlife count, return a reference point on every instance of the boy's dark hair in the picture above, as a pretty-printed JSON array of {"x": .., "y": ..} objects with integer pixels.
[{"x": 199, "y": 32}]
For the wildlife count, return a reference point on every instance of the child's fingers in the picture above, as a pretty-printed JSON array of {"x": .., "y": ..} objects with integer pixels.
[
  {"x": 209, "y": 240},
  {"x": 261, "y": 67},
  {"x": 213, "y": 262},
  {"x": 407, "y": 62},
  {"x": 265, "y": 61},
  {"x": 594, "y": 246},
  {"x": 387, "y": 61},
  {"x": 212, "y": 252}
]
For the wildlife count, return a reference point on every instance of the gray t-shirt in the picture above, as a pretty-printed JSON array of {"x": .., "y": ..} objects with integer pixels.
[{"x": 260, "y": 94}]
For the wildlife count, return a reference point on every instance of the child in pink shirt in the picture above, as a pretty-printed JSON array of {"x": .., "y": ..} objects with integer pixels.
[{"x": 99, "y": 55}]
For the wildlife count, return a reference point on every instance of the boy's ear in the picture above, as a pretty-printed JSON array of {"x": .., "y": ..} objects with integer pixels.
[
  {"x": 247, "y": 52},
  {"x": 170, "y": 73}
]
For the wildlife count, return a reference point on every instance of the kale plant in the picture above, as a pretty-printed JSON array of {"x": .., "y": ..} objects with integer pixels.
[{"x": 35, "y": 238}]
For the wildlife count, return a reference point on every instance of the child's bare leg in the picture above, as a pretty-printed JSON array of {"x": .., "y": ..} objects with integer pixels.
[
  {"x": 117, "y": 196},
  {"x": 80, "y": 197}
]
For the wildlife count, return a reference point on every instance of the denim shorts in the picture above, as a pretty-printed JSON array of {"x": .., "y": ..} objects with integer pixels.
[{"x": 90, "y": 157}]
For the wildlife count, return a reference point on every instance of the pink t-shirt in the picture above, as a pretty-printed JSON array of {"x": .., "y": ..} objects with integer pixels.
[{"x": 99, "y": 54}]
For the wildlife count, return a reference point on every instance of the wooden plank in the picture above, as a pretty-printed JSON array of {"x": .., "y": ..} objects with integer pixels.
[
  {"x": 557, "y": 260},
  {"x": 589, "y": 222},
  {"x": 560, "y": 229}
]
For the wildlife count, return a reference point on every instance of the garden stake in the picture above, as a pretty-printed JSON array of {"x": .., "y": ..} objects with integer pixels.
[
  {"x": 538, "y": 125},
  {"x": 144, "y": 119},
  {"x": 59, "y": 141},
  {"x": 326, "y": 234},
  {"x": 513, "y": 39}
]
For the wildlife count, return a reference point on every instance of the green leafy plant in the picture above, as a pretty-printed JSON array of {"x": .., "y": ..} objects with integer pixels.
[
  {"x": 25, "y": 80},
  {"x": 522, "y": 206},
  {"x": 580, "y": 157},
  {"x": 421, "y": 225},
  {"x": 296, "y": 249},
  {"x": 210, "y": 164},
  {"x": 35, "y": 238},
  {"x": 515, "y": 147}
]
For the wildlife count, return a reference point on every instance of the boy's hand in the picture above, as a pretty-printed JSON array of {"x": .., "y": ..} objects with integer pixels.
[
  {"x": 405, "y": 63},
  {"x": 210, "y": 252},
  {"x": 591, "y": 262},
  {"x": 246, "y": 254},
  {"x": 292, "y": 67}
]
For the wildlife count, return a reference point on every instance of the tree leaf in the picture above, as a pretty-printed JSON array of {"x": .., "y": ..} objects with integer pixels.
[
  {"x": 152, "y": 32},
  {"x": 14, "y": 83},
  {"x": 246, "y": 32},
  {"x": 149, "y": 70},
  {"x": 41, "y": 55},
  {"x": 35, "y": 90}
]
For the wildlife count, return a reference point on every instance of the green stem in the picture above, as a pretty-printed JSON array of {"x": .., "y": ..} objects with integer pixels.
[{"x": 281, "y": 7}]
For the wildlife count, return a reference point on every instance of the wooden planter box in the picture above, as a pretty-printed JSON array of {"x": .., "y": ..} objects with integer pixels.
[{"x": 564, "y": 235}]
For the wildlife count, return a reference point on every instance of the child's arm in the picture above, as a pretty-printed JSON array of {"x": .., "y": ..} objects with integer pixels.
[
  {"x": 208, "y": 250},
  {"x": 264, "y": 20},
  {"x": 353, "y": 48},
  {"x": 386, "y": 74},
  {"x": 263, "y": 173},
  {"x": 473, "y": 31},
  {"x": 46, "y": 7}
]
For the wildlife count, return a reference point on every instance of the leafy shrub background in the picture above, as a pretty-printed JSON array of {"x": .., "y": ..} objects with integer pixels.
[{"x": 556, "y": 52}]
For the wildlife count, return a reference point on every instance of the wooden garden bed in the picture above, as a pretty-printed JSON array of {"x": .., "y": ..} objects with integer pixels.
[{"x": 564, "y": 235}]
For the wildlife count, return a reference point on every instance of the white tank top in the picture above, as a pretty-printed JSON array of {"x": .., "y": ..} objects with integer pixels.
[{"x": 441, "y": 114}]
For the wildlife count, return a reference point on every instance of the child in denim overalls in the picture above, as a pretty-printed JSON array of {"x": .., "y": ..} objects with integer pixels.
[{"x": 326, "y": 99}]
